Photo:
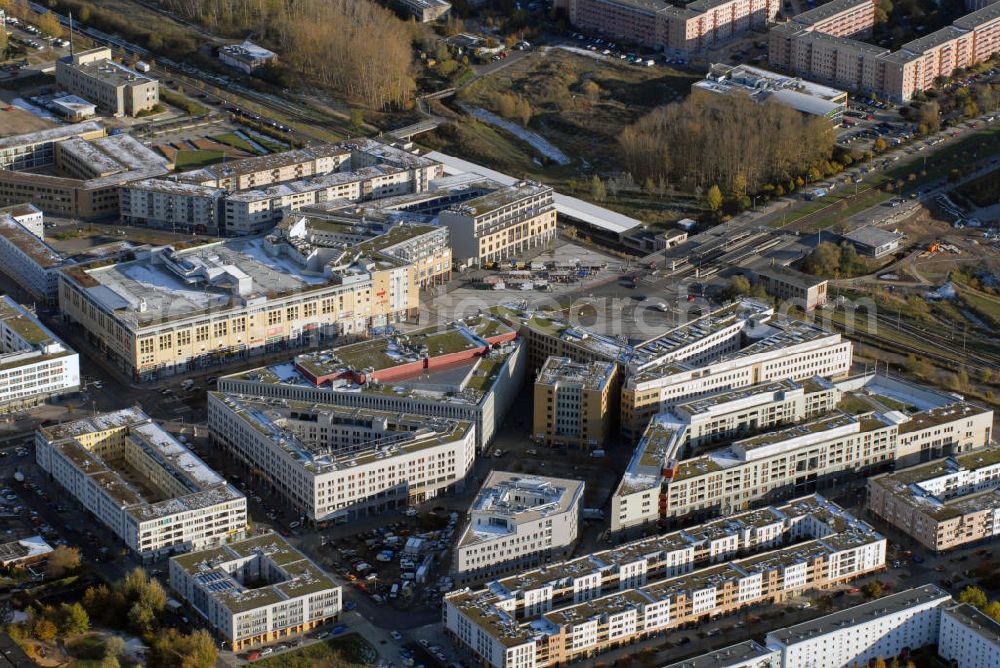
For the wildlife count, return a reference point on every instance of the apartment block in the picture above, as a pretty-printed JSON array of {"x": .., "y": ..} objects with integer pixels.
[
  {"x": 255, "y": 211},
  {"x": 206, "y": 302},
  {"x": 262, "y": 171},
  {"x": 113, "y": 87},
  {"x": 659, "y": 25},
  {"x": 334, "y": 463},
  {"x": 827, "y": 54},
  {"x": 747, "y": 654},
  {"x": 37, "y": 149},
  {"x": 854, "y": 636},
  {"x": 840, "y": 18},
  {"x": 469, "y": 370},
  {"x": 638, "y": 21},
  {"x": 579, "y": 608},
  {"x": 502, "y": 224},
  {"x": 796, "y": 459},
  {"x": 249, "y": 196},
  {"x": 737, "y": 346},
  {"x": 968, "y": 637},
  {"x": 701, "y": 423},
  {"x": 136, "y": 479},
  {"x": 516, "y": 522},
  {"x": 256, "y": 590},
  {"x": 942, "y": 504},
  {"x": 172, "y": 205},
  {"x": 574, "y": 403},
  {"x": 34, "y": 364}
]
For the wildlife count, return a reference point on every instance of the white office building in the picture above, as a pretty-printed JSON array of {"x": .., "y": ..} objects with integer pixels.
[
  {"x": 256, "y": 590},
  {"x": 854, "y": 636},
  {"x": 334, "y": 463},
  {"x": 518, "y": 521},
  {"x": 34, "y": 363},
  {"x": 156, "y": 495}
]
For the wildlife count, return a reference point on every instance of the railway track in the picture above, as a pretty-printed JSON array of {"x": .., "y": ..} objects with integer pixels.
[{"x": 946, "y": 355}]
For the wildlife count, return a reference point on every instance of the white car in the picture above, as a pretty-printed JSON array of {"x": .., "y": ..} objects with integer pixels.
[
  {"x": 396, "y": 635},
  {"x": 266, "y": 651}
]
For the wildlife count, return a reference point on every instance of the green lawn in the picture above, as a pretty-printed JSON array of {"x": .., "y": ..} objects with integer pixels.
[
  {"x": 236, "y": 141},
  {"x": 866, "y": 199},
  {"x": 195, "y": 159},
  {"x": 348, "y": 651}
]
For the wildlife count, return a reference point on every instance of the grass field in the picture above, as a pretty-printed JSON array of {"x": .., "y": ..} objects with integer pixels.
[
  {"x": 842, "y": 209},
  {"x": 348, "y": 651},
  {"x": 195, "y": 159},
  {"x": 234, "y": 140}
]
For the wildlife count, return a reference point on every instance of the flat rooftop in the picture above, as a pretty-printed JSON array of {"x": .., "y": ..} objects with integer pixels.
[
  {"x": 859, "y": 614},
  {"x": 463, "y": 383},
  {"x": 976, "y": 621},
  {"x": 505, "y": 196},
  {"x": 389, "y": 154},
  {"x": 485, "y": 606},
  {"x": 293, "y": 573},
  {"x": 19, "y": 320},
  {"x": 40, "y": 252},
  {"x": 734, "y": 656},
  {"x": 517, "y": 498},
  {"x": 400, "y": 349},
  {"x": 592, "y": 376},
  {"x": 217, "y": 275},
  {"x": 752, "y": 395},
  {"x": 108, "y": 71},
  {"x": 387, "y": 434},
  {"x": 172, "y": 186},
  {"x": 933, "y": 417},
  {"x": 204, "y": 486},
  {"x": 542, "y": 322},
  {"x": 57, "y": 133},
  {"x": 828, "y": 10},
  {"x": 265, "y": 163}
]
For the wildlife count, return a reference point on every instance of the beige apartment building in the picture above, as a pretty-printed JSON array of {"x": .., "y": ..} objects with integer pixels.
[
  {"x": 796, "y": 459},
  {"x": 266, "y": 170},
  {"x": 114, "y": 88},
  {"x": 501, "y": 224},
  {"x": 942, "y": 504},
  {"x": 824, "y": 54},
  {"x": 574, "y": 610},
  {"x": 574, "y": 403},
  {"x": 177, "y": 308},
  {"x": 659, "y": 25}
]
